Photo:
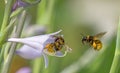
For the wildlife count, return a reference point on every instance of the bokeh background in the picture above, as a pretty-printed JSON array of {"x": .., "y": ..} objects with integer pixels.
[{"x": 74, "y": 17}]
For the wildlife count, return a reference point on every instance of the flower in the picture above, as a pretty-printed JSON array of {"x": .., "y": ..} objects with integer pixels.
[
  {"x": 24, "y": 70},
  {"x": 19, "y": 3},
  {"x": 42, "y": 45}
]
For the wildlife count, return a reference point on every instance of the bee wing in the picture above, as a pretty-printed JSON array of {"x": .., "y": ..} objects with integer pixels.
[{"x": 99, "y": 35}]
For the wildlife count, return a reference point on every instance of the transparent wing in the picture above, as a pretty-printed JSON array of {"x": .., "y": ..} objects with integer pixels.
[{"x": 99, "y": 35}]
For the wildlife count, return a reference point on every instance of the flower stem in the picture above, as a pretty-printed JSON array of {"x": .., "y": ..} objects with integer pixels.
[
  {"x": 115, "y": 65},
  {"x": 1, "y": 56},
  {"x": 6, "y": 20},
  {"x": 3, "y": 50},
  {"x": 7, "y": 14},
  {"x": 37, "y": 65},
  {"x": 13, "y": 47},
  {"x": 47, "y": 15}
]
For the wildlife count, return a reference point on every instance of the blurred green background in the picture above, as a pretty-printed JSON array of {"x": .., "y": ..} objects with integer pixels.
[{"x": 74, "y": 17}]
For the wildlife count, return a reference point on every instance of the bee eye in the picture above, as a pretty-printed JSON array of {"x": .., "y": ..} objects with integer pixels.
[
  {"x": 63, "y": 41},
  {"x": 84, "y": 38}
]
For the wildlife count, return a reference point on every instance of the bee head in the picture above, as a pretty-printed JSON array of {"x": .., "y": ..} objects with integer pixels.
[{"x": 84, "y": 39}]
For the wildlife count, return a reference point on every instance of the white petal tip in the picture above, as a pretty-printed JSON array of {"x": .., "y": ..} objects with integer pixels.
[
  {"x": 55, "y": 33},
  {"x": 13, "y": 39},
  {"x": 10, "y": 39},
  {"x": 60, "y": 30}
]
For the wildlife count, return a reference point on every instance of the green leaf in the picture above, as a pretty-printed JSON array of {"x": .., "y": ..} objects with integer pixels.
[{"x": 2, "y": 8}]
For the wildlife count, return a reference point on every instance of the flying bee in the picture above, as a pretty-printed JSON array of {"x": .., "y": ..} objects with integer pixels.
[
  {"x": 57, "y": 45},
  {"x": 94, "y": 41}
]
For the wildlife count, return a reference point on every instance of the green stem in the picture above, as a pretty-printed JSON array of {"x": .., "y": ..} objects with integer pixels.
[
  {"x": 9, "y": 58},
  {"x": 46, "y": 17},
  {"x": 7, "y": 48},
  {"x": 1, "y": 56},
  {"x": 9, "y": 26},
  {"x": 115, "y": 65},
  {"x": 7, "y": 14},
  {"x": 5, "y": 32},
  {"x": 37, "y": 65},
  {"x": 50, "y": 11},
  {"x": 2, "y": 9},
  {"x": 6, "y": 20}
]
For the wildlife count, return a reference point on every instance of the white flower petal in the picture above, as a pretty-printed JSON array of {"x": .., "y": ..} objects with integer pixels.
[
  {"x": 41, "y": 39},
  {"x": 30, "y": 43},
  {"x": 28, "y": 52},
  {"x": 55, "y": 33},
  {"x": 46, "y": 60}
]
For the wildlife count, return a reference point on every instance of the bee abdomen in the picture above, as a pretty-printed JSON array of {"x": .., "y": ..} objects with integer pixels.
[{"x": 97, "y": 45}]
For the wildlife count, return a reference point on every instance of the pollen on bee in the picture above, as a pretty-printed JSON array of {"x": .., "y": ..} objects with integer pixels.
[
  {"x": 94, "y": 45},
  {"x": 97, "y": 45},
  {"x": 50, "y": 47}
]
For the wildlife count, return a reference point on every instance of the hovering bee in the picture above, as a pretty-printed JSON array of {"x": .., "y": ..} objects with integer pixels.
[
  {"x": 57, "y": 45},
  {"x": 94, "y": 41}
]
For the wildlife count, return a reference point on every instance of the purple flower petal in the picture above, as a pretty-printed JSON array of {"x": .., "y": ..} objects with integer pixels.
[
  {"x": 19, "y": 3},
  {"x": 22, "y": 3},
  {"x": 36, "y": 40},
  {"x": 59, "y": 54},
  {"x": 15, "y": 6},
  {"x": 45, "y": 60},
  {"x": 34, "y": 47},
  {"x": 32, "y": 44},
  {"x": 28, "y": 52},
  {"x": 43, "y": 38},
  {"x": 24, "y": 70}
]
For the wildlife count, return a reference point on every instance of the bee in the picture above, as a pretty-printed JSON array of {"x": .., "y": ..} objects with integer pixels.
[
  {"x": 57, "y": 45},
  {"x": 94, "y": 41}
]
